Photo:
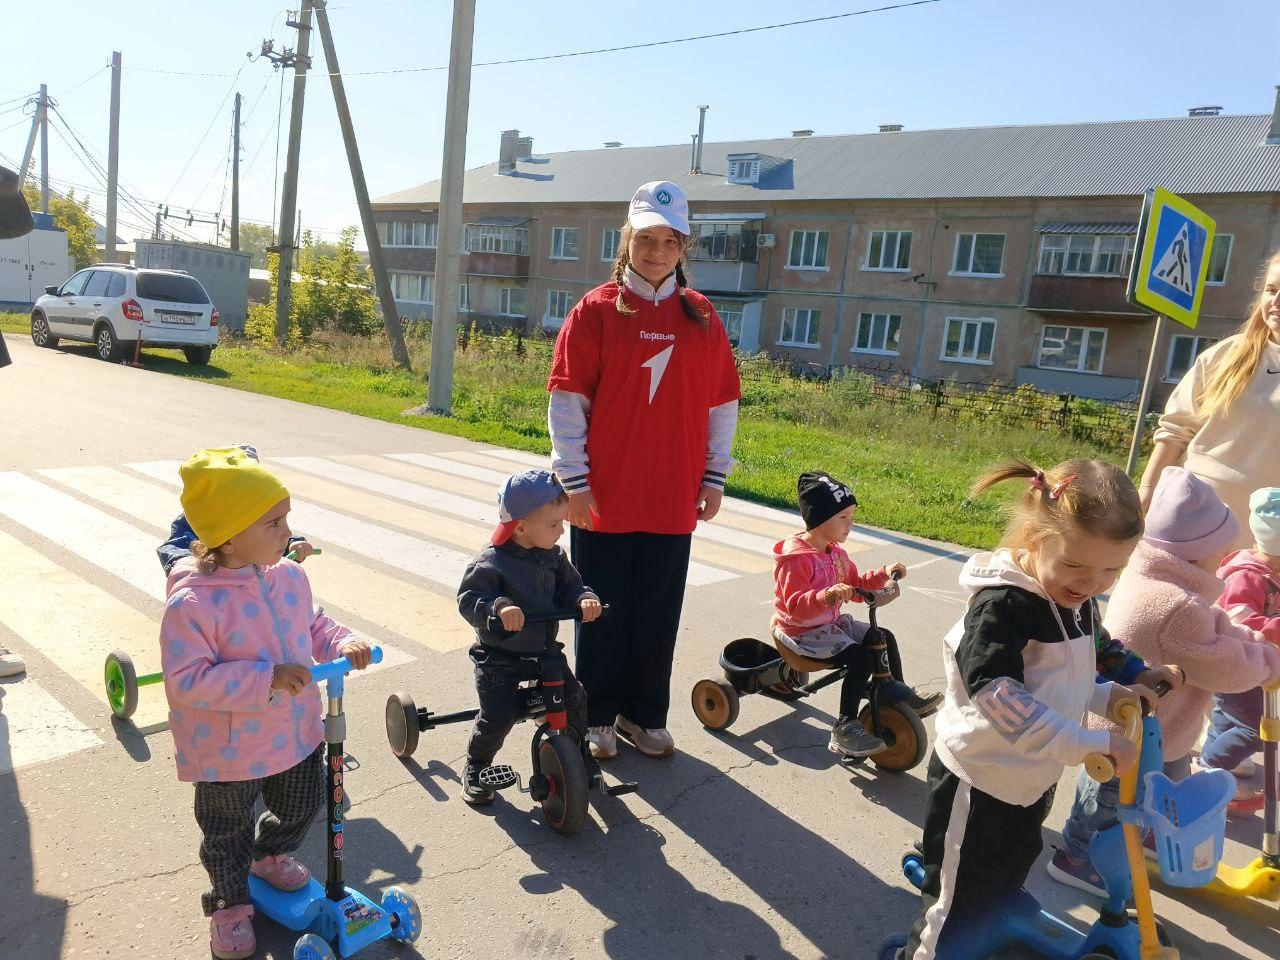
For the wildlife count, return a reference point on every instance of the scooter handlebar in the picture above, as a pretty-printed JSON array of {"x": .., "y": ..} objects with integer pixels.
[
  {"x": 494, "y": 623},
  {"x": 1128, "y": 714},
  {"x": 340, "y": 667}
]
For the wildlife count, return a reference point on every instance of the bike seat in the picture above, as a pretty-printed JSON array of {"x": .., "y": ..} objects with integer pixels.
[{"x": 799, "y": 662}]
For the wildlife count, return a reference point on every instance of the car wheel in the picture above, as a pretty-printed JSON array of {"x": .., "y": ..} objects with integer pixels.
[
  {"x": 40, "y": 334},
  {"x": 197, "y": 355},
  {"x": 106, "y": 345}
]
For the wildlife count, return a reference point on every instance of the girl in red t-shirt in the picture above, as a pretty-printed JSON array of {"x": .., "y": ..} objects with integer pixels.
[{"x": 644, "y": 404}]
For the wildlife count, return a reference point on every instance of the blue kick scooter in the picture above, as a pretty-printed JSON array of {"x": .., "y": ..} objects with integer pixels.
[{"x": 340, "y": 921}]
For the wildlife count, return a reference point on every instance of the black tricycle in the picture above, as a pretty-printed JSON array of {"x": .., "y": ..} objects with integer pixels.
[
  {"x": 563, "y": 768},
  {"x": 778, "y": 671}
]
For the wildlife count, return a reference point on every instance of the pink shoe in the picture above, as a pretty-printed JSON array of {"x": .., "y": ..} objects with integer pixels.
[
  {"x": 231, "y": 933},
  {"x": 281, "y": 871}
]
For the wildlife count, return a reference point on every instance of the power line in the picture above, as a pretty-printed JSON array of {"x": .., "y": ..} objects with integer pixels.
[
  {"x": 105, "y": 67},
  {"x": 584, "y": 53},
  {"x": 205, "y": 135}
]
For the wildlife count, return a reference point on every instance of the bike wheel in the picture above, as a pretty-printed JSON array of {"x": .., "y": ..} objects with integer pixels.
[
  {"x": 402, "y": 724},
  {"x": 715, "y": 703},
  {"x": 122, "y": 684},
  {"x": 565, "y": 806},
  {"x": 904, "y": 734}
]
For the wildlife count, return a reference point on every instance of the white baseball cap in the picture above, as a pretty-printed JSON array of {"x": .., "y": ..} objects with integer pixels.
[{"x": 659, "y": 204}]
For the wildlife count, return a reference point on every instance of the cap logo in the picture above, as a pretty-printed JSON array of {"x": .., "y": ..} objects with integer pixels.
[{"x": 663, "y": 196}]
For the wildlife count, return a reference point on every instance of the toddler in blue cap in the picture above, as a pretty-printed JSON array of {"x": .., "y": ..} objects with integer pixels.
[{"x": 522, "y": 573}]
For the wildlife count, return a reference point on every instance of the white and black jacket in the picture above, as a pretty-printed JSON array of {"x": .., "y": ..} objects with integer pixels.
[{"x": 1021, "y": 672}]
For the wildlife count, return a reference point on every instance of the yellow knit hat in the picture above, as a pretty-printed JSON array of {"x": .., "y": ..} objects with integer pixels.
[{"x": 224, "y": 492}]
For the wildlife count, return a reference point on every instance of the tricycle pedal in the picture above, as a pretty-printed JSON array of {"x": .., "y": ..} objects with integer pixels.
[
  {"x": 618, "y": 789},
  {"x": 499, "y": 776}
]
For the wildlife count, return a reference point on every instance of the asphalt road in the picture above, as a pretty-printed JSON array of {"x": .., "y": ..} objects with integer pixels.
[{"x": 748, "y": 844}]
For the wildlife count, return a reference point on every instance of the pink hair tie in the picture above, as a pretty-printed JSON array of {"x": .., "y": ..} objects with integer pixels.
[
  {"x": 1056, "y": 492},
  {"x": 1036, "y": 481}
]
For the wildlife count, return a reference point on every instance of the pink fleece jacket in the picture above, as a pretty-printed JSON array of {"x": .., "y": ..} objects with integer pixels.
[
  {"x": 1162, "y": 608},
  {"x": 1251, "y": 596},
  {"x": 801, "y": 573},
  {"x": 221, "y": 637}
]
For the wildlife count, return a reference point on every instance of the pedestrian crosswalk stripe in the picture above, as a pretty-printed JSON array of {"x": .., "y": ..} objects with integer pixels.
[
  {"x": 483, "y": 458},
  {"x": 431, "y": 461},
  {"x": 484, "y": 492},
  {"x": 400, "y": 607},
  {"x": 76, "y": 623},
  {"x": 39, "y": 728}
]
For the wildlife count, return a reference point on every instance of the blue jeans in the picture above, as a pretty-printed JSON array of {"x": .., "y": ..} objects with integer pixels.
[
  {"x": 1094, "y": 807},
  {"x": 1233, "y": 734}
]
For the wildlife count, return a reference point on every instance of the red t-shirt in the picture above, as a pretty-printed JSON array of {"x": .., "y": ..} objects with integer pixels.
[{"x": 652, "y": 378}]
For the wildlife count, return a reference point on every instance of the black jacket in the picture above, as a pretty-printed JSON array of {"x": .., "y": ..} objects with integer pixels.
[{"x": 539, "y": 582}]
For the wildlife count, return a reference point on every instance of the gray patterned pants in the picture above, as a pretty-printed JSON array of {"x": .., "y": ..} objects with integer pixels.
[{"x": 224, "y": 813}]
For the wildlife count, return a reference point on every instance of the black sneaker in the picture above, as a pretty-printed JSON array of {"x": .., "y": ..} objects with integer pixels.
[
  {"x": 924, "y": 704},
  {"x": 473, "y": 791}
]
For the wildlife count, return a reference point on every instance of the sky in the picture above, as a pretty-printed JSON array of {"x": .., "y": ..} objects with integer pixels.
[{"x": 949, "y": 63}]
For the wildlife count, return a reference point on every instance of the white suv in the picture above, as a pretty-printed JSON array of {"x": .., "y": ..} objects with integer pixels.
[{"x": 110, "y": 305}]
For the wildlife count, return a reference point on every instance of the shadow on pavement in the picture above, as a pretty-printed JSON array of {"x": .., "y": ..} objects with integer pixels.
[{"x": 34, "y": 924}]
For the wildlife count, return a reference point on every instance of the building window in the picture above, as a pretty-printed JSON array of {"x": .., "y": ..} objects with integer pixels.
[
  {"x": 411, "y": 287},
  {"x": 1085, "y": 255},
  {"x": 730, "y": 312},
  {"x": 609, "y": 246},
  {"x": 979, "y": 254},
  {"x": 744, "y": 169},
  {"x": 412, "y": 234},
  {"x": 800, "y": 327},
  {"x": 511, "y": 302},
  {"x": 808, "y": 250},
  {"x": 723, "y": 241},
  {"x": 1219, "y": 258},
  {"x": 888, "y": 250},
  {"x": 878, "y": 333},
  {"x": 564, "y": 243},
  {"x": 485, "y": 238},
  {"x": 464, "y": 296},
  {"x": 969, "y": 340},
  {"x": 558, "y": 304},
  {"x": 1072, "y": 348},
  {"x": 1182, "y": 354}
]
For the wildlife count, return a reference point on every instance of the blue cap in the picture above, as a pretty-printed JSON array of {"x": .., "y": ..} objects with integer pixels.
[{"x": 520, "y": 495}]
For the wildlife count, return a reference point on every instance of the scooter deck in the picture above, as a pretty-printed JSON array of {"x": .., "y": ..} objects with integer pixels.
[
  {"x": 350, "y": 924},
  {"x": 1255, "y": 880}
]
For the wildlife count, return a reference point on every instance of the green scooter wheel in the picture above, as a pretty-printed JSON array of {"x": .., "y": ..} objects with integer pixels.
[{"x": 121, "y": 681}]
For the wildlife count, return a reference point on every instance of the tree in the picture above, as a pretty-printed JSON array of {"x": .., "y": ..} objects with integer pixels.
[
  {"x": 73, "y": 216},
  {"x": 254, "y": 240}
]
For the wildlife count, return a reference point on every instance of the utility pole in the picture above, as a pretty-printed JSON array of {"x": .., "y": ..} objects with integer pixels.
[
  {"x": 44, "y": 148},
  {"x": 235, "y": 179},
  {"x": 31, "y": 145},
  {"x": 390, "y": 316},
  {"x": 113, "y": 158},
  {"x": 159, "y": 215},
  {"x": 444, "y": 316},
  {"x": 289, "y": 199}
]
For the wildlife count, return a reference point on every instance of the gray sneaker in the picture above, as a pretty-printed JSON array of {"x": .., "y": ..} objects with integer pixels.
[
  {"x": 851, "y": 738},
  {"x": 11, "y": 664},
  {"x": 651, "y": 742}
]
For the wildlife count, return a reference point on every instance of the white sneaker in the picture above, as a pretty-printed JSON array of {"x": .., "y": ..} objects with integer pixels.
[
  {"x": 651, "y": 742},
  {"x": 603, "y": 742},
  {"x": 11, "y": 664},
  {"x": 1246, "y": 769}
]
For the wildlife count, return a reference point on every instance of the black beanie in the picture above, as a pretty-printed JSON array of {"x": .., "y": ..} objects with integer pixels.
[{"x": 822, "y": 496}]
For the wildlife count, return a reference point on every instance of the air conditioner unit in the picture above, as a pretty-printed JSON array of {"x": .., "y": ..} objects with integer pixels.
[{"x": 764, "y": 240}]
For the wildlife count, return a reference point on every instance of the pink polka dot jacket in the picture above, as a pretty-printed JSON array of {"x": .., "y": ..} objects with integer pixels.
[{"x": 221, "y": 637}]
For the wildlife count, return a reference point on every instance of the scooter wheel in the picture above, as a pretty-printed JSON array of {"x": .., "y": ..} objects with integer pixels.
[
  {"x": 890, "y": 946},
  {"x": 904, "y": 733},
  {"x": 311, "y": 946},
  {"x": 402, "y": 724},
  {"x": 122, "y": 684},
  {"x": 715, "y": 703},
  {"x": 565, "y": 805},
  {"x": 400, "y": 905}
]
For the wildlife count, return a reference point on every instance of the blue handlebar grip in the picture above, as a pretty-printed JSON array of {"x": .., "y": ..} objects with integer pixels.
[{"x": 340, "y": 667}]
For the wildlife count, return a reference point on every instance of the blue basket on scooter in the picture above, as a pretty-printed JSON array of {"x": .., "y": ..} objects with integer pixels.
[{"x": 1189, "y": 819}]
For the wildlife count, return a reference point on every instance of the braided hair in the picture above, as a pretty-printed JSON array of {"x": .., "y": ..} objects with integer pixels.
[{"x": 623, "y": 260}]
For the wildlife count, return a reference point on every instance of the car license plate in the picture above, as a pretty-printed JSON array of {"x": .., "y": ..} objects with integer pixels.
[{"x": 182, "y": 318}]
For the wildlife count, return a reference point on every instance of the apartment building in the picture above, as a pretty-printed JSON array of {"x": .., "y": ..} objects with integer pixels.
[{"x": 972, "y": 254}]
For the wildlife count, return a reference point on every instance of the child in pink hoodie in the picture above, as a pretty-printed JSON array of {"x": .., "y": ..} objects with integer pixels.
[
  {"x": 239, "y": 636},
  {"x": 812, "y": 577},
  {"x": 1251, "y": 598}
]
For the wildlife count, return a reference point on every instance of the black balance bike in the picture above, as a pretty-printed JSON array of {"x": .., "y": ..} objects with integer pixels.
[
  {"x": 563, "y": 768},
  {"x": 754, "y": 667}
]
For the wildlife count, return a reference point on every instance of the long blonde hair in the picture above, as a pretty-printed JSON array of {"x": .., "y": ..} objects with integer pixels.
[
  {"x": 623, "y": 260},
  {"x": 1230, "y": 377},
  {"x": 1090, "y": 495}
]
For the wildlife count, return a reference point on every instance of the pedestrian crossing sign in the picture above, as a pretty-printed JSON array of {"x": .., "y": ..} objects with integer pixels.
[{"x": 1172, "y": 259}]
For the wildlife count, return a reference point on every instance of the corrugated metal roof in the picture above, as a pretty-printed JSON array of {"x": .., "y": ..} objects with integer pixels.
[
  {"x": 1094, "y": 228},
  {"x": 1188, "y": 155}
]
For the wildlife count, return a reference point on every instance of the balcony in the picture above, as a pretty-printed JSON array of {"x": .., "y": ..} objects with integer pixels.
[
  {"x": 723, "y": 276},
  {"x": 491, "y": 263},
  {"x": 1056, "y": 295}
]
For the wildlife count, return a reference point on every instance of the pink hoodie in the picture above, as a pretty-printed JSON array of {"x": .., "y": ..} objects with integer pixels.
[
  {"x": 1252, "y": 593},
  {"x": 220, "y": 639},
  {"x": 801, "y": 573},
  {"x": 1162, "y": 608}
]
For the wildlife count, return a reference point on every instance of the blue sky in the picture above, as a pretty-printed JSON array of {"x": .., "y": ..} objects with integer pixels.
[{"x": 945, "y": 64}]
